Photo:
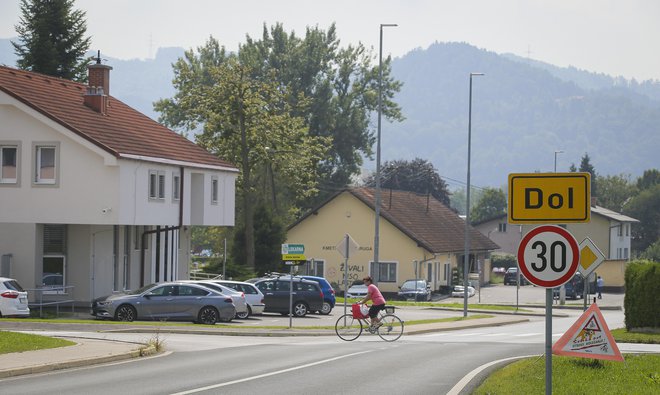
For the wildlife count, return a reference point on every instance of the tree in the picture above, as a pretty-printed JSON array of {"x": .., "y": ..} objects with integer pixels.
[
  {"x": 417, "y": 175},
  {"x": 615, "y": 191},
  {"x": 587, "y": 167},
  {"x": 648, "y": 179},
  {"x": 247, "y": 121},
  {"x": 51, "y": 39},
  {"x": 341, "y": 85},
  {"x": 652, "y": 253},
  {"x": 646, "y": 208},
  {"x": 491, "y": 204}
]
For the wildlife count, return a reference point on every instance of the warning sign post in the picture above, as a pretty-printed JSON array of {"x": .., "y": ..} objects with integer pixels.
[{"x": 589, "y": 337}]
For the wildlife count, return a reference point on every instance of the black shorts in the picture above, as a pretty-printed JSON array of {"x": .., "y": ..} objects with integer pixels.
[{"x": 374, "y": 309}]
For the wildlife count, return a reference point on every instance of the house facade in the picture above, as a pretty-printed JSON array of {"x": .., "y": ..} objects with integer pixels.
[
  {"x": 610, "y": 231},
  {"x": 96, "y": 197},
  {"x": 419, "y": 237}
]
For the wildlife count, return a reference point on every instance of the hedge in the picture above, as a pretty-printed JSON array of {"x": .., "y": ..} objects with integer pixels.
[{"x": 642, "y": 300}]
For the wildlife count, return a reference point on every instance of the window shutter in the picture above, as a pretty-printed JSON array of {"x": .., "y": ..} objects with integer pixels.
[{"x": 54, "y": 239}]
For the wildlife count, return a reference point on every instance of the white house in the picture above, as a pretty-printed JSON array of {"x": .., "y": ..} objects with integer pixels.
[{"x": 94, "y": 195}]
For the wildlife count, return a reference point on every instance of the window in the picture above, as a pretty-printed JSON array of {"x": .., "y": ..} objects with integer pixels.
[
  {"x": 8, "y": 164},
  {"x": 313, "y": 268},
  {"x": 45, "y": 164},
  {"x": 214, "y": 190},
  {"x": 625, "y": 253},
  {"x": 627, "y": 229},
  {"x": 385, "y": 272},
  {"x": 156, "y": 184},
  {"x": 619, "y": 231},
  {"x": 54, "y": 258},
  {"x": 501, "y": 227},
  {"x": 176, "y": 186}
]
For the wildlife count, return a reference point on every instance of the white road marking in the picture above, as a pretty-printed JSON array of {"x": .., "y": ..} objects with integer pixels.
[
  {"x": 528, "y": 334},
  {"x": 210, "y": 387}
]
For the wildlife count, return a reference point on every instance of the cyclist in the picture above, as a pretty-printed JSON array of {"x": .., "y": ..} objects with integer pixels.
[{"x": 377, "y": 301}]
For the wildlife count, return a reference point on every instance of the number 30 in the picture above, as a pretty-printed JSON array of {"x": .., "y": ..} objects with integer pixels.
[{"x": 557, "y": 263}]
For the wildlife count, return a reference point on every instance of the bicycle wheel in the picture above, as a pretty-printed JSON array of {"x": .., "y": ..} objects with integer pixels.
[
  {"x": 348, "y": 328},
  {"x": 392, "y": 328}
]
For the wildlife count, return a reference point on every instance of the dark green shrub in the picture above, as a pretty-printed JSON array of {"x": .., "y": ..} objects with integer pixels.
[{"x": 642, "y": 300}]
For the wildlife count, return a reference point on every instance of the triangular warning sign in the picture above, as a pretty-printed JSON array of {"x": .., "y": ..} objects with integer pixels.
[{"x": 589, "y": 337}]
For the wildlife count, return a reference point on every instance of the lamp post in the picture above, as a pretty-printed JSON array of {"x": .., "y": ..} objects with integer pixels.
[
  {"x": 380, "y": 110},
  {"x": 466, "y": 258},
  {"x": 557, "y": 152}
]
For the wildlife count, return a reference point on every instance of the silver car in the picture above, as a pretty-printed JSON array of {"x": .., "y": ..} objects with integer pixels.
[
  {"x": 253, "y": 296},
  {"x": 167, "y": 301},
  {"x": 242, "y": 309}
]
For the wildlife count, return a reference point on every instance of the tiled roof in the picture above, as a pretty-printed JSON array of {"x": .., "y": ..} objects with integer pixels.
[
  {"x": 423, "y": 218},
  {"x": 121, "y": 131},
  {"x": 612, "y": 214}
]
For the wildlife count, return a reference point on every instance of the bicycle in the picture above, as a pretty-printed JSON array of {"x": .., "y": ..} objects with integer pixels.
[{"x": 349, "y": 327}]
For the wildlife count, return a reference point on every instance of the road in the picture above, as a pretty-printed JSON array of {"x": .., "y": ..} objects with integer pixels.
[{"x": 212, "y": 364}]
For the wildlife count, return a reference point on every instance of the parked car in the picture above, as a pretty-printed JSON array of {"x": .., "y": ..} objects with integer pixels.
[
  {"x": 415, "y": 289},
  {"x": 242, "y": 310},
  {"x": 13, "y": 299},
  {"x": 357, "y": 290},
  {"x": 307, "y": 295},
  {"x": 574, "y": 287},
  {"x": 167, "y": 301},
  {"x": 459, "y": 291},
  {"x": 328, "y": 293},
  {"x": 511, "y": 277},
  {"x": 253, "y": 297}
]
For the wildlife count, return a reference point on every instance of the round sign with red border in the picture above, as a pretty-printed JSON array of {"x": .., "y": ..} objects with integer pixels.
[{"x": 548, "y": 256}]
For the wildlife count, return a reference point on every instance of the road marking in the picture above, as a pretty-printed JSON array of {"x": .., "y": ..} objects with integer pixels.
[
  {"x": 465, "y": 380},
  {"x": 470, "y": 334},
  {"x": 528, "y": 334},
  {"x": 210, "y": 387}
]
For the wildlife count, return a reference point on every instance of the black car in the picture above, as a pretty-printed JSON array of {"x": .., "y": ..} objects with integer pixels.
[
  {"x": 415, "y": 289},
  {"x": 307, "y": 295},
  {"x": 511, "y": 277},
  {"x": 574, "y": 287}
]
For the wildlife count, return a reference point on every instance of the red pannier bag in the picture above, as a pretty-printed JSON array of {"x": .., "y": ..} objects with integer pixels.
[{"x": 357, "y": 313}]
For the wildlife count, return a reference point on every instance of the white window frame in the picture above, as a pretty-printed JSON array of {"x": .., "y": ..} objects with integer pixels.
[
  {"x": 377, "y": 276},
  {"x": 17, "y": 161},
  {"x": 156, "y": 185},
  {"x": 176, "y": 186},
  {"x": 38, "y": 148},
  {"x": 214, "y": 189}
]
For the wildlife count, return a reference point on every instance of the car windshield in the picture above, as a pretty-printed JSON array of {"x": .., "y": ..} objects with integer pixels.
[
  {"x": 141, "y": 290},
  {"x": 412, "y": 284}
]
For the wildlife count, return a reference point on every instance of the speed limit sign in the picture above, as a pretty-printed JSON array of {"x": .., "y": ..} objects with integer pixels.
[{"x": 548, "y": 256}]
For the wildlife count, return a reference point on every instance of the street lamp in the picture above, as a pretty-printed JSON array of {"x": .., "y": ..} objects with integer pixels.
[
  {"x": 380, "y": 110},
  {"x": 466, "y": 258},
  {"x": 557, "y": 152}
]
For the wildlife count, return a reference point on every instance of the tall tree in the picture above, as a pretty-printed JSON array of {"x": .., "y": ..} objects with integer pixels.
[
  {"x": 247, "y": 121},
  {"x": 341, "y": 85},
  {"x": 587, "y": 167},
  {"x": 418, "y": 175},
  {"x": 51, "y": 39},
  {"x": 491, "y": 204},
  {"x": 615, "y": 191},
  {"x": 646, "y": 208}
]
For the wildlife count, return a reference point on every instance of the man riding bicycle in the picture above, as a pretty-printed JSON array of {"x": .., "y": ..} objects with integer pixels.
[{"x": 377, "y": 299}]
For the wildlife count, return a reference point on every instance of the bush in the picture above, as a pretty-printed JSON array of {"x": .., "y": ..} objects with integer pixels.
[
  {"x": 505, "y": 261},
  {"x": 641, "y": 303}
]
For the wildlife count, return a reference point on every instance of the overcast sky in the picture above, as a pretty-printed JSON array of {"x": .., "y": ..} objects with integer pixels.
[{"x": 615, "y": 37}]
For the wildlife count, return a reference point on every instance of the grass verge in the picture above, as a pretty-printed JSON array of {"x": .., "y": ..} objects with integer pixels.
[
  {"x": 621, "y": 335},
  {"x": 639, "y": 374},
  {"x": 19, "y": 342}
]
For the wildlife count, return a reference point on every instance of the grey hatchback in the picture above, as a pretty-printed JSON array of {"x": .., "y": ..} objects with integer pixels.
[
  {"x": 171, "y": 301},
  {"x": 307, "y": 295}
]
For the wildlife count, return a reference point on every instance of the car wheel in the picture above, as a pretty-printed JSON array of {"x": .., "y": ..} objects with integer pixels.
[
  {"x": 326, "y": 309},
  {"x": 208, "y": 315},
  {"x": 244, "y": 315},
  {"x": 125, "y": 313},
  {"x": 300, "y": 309}
]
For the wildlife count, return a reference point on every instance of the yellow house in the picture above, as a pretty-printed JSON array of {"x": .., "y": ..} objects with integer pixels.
[{"x": 419, "y": 238}]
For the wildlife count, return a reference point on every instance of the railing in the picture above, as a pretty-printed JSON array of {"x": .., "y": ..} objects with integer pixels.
[
  {"x": 197, "y": 275},
  {"x": 51, "y": 296}
]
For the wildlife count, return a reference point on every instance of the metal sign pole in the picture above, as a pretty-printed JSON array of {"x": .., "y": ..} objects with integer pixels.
[
  {"x": 548, "y": 341},
  {"x": 291, "y": 298},
  {"x": 346, "y": 274}
]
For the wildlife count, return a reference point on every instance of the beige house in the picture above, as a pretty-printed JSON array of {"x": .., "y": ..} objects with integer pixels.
[
  {"x": 419, "y": 238},
  {"x": 609, "y": 230}
]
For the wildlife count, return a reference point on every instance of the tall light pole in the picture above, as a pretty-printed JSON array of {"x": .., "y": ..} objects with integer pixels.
[
  {"x": 466, "y": 258},
  {"x": 380, "y": 111},
  {"x": 557, "y": 152}
]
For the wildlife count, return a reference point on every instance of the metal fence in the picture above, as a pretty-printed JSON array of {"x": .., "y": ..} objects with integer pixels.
[{"x": 51, "y": 296}]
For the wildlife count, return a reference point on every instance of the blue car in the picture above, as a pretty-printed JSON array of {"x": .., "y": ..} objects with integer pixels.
[{"x": 328, "y": 293}]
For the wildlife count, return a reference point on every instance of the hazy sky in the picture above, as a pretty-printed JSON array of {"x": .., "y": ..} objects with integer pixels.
[{"x": 616, "y": 37}]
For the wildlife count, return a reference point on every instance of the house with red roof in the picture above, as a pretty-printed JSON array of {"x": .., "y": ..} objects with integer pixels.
[
  {"x": 96, "y": 197},
  {"x": 419, "y": 237}
]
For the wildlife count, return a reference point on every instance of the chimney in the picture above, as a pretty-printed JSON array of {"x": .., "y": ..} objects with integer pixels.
[{"x": 98, "y": 88}]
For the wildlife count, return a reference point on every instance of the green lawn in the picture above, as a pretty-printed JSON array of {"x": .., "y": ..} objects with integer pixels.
[
  {"x": 19, "y": 342},
  {"x": 639, "y": 374}
]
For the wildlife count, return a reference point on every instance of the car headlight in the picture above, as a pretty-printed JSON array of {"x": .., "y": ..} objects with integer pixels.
[{"x": 104, "y": 303}]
